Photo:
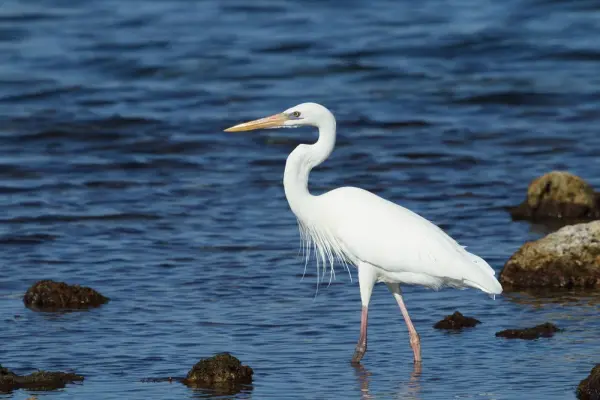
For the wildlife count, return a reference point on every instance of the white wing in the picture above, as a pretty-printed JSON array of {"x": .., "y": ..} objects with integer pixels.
[{"x": 395, "y": 239}]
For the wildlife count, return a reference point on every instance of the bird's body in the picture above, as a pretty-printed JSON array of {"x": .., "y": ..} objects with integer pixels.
[
  {"x": 407, "y": 249},
  {"x": 386, "y": 242}
]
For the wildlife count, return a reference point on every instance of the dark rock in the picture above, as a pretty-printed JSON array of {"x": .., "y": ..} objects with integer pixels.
[
  {"x": 558, "y": 194},
  {"x": 222, "y": 371},
  {"x": 543, "y": 330},
  {"x": 40, "y": 380},
  {"x": 589, "y": 388},
  {"x": 456, "y": 321},
  {"x": 48, "y": 295},
  {"x": 566, "y": 259}
]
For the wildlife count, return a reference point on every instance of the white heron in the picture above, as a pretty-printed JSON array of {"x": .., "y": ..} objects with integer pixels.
[{"x": 386, "y": 242}]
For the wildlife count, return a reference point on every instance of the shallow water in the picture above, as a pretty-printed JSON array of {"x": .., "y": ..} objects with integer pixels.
[{"x": 115, "y": 173}]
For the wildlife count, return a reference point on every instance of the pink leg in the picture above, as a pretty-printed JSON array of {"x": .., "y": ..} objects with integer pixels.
[
  {"x": 367, "y": 276},
  {"x": 415, "y": 342},
  {"x": 361, "y": 346}
]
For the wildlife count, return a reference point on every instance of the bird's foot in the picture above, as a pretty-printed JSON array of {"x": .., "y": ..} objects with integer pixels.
[
  {"x": 359, "y": 353},
  {"x": 415, "y": 344}
]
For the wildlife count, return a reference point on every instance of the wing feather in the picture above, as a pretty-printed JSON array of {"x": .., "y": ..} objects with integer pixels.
[{"x": 396, "y": 239}]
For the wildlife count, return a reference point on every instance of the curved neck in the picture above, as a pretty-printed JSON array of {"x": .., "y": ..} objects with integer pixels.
[{"x": 302, "y": 160}]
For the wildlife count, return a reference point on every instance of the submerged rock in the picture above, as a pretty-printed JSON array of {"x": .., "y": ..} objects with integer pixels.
[
  {"x": 558, "y": 194},
  {"x": 543, "y": 330},
  {"x": 568, "y": 258},
  {"x": 48, "y": 295},
  {"x": 40, "y": 380},
  {"x": 169, "y": 379},
  {"x": 456, "y": 321},
  {"x": 589, "y": 388},
  {"x": 222, "y": 371}
]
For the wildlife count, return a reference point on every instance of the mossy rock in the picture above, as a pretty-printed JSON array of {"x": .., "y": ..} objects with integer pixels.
[
  {"x": 222, "y": 371},
  {"x": 40, "y": 380},
  {"x": 544, "y": 330},
  {"x": 48, "y": 295},
  {"x": 566, "y": 259},
  {"x": 557, "y": 195},
  {"x": 456, "y": 321},
  {"x": 589, "y": 388}
]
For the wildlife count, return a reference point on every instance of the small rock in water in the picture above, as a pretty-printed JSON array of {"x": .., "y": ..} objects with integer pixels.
[
  {"x": 557, "y": 195},
  {"x": 40, "y": 380},
  {"x": 48, "y": 295},
  {"x": 222, "y": 371},
  {"x": 456, "y": 321},
  {"x": 543, "y": 330},
  {"x": 589, "y": 388},
  {"x": 568, "y": 258}
]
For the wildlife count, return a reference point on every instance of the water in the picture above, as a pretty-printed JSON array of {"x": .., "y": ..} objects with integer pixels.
[{"x": 115, "y": 173}]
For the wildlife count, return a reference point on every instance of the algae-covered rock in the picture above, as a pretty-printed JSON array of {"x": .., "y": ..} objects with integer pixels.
[
  {"x": 558, "y": 194},
  {"x": 568, "y": 258},
  {"x": 48, "y": 295},
  {"x": 589, "y": 388},
  {"x": 456, "y": 321},
  {"x": 221, "y": 374},
  {"x": 222, "y": 371},
  {"x": 544, "y": 330},
  {"x": 40, "y": 380}
]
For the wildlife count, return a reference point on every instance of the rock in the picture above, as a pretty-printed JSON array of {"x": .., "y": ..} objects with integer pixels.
[
  {"x": 543, "y": 330},
  {"x": 48, "y": 295},
  {"x": 558, "y": 194},
  {"x": 222, "y": 371},
  {"x": 568, "y": 258},
  {"x": 40, "y": 380},
  {"x": 456, "y": 321},
  {"x": 589, "y": 388},
  {"x": 222, "y": 374}
]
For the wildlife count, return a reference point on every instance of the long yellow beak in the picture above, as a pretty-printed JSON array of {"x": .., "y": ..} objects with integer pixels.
[{"x": 273, "y": 121}]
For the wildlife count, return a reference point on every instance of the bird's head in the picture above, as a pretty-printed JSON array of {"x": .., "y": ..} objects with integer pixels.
[{"x": 305, "y": 114}]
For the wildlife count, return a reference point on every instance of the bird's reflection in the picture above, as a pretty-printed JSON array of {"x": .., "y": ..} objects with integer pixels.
[
  {"x": 407, "y": 390},
  {"x": 364, "y": 377}
]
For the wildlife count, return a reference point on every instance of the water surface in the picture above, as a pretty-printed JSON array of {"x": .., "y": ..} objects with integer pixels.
[{"x": 115, "y": 173}]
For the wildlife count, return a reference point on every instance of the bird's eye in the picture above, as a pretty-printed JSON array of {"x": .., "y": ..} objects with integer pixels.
[{"x": 296, "y": 114}]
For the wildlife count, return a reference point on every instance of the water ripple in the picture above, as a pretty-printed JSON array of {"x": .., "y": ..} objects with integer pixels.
[{"x": 115, "y": 173}]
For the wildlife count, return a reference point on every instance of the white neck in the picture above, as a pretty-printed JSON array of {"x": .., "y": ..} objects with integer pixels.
[{"x": 301, "y": 161}]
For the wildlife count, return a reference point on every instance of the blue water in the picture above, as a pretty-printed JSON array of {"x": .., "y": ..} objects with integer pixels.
[{"x": 115, "y": 173}]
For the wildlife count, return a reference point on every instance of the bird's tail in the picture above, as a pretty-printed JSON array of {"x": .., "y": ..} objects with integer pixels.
[{"x": 484, "y": 277}]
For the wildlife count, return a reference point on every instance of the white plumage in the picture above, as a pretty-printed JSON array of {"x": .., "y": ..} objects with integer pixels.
[
  {"x": 406, "y": 248},
  {"x": 386, "y": 242}
]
